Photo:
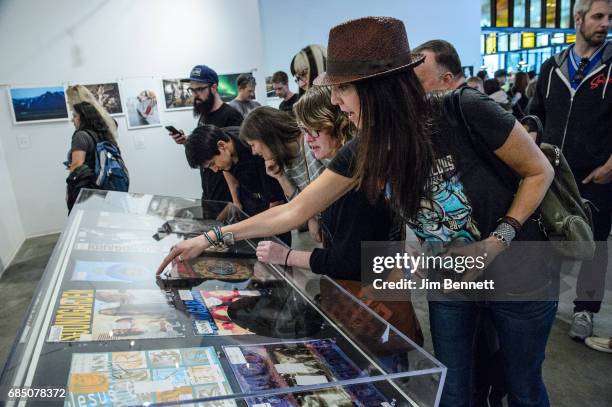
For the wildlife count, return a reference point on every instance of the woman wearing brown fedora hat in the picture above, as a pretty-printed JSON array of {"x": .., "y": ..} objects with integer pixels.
[{"x": 416, "y": 152}]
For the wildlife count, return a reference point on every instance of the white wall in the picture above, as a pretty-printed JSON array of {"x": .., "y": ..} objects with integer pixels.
[
  {"x": 11, "y": 230},
  {"x": 72, "y": 41},
  {"x": 290, "y": 25}
]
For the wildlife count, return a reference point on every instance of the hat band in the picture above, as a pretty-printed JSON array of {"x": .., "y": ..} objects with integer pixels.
[{"x": 368, "y": 67}]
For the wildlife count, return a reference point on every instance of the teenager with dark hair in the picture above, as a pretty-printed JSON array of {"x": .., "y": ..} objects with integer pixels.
[
  {"x": 280, "y": 83},
  {"x": 276, "y": 136},
  {"x": 217, "y": 149},
  {"x": 425, "y": 165}
]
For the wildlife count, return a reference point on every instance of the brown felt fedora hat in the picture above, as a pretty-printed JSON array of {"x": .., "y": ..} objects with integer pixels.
[{"x": 365, "y": 48}]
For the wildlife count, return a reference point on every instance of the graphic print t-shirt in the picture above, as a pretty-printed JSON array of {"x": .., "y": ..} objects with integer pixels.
[{"x": 465, "y": 197}]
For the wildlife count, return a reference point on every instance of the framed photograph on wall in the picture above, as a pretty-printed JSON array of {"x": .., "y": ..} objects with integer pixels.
[
  {"x": 109, "y": 97},
  {"x": 227, "y": 88},
  {"x": 142, "y": 103},
  {"x": 270, "y": 93},
  {"x": 38, "y": 104},
  {"x": 176, "y": 95}
]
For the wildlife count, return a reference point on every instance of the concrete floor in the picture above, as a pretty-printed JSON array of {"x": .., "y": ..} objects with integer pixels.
[{"x": 574, "y": 374}]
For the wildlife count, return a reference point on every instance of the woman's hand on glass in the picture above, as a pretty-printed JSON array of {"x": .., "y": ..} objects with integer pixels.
[
  {"x": 183, "y": 251},
  {"x": 272, "y": 253}
]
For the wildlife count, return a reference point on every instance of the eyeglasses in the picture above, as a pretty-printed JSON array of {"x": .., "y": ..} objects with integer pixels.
[
  {"x": 301, "y": 76},
  {"x": 199, "y": 89},
  {"x": 309, "y": 132},
  {"x": 579, "y": 75}
]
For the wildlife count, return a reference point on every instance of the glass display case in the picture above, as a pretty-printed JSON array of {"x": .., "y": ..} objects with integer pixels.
[{"x": 220, "y": 330}]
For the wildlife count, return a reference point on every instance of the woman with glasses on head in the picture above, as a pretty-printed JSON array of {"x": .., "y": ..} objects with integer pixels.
[
  {"x": 307, "y": 64},
  {"x": 418, "y": 154}
]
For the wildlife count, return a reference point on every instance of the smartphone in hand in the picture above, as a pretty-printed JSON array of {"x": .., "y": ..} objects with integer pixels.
[{"x": 172, "y": 130}]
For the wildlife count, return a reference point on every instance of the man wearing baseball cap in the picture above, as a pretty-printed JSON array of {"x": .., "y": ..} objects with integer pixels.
[{"x": 208, "y": 105}]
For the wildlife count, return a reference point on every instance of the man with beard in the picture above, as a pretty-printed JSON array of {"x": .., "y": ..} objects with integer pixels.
[
  {"x": 208, "y": 106},
  {"x": 574, "y": 100}
]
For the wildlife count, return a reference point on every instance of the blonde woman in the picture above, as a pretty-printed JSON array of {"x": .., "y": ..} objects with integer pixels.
[
  {"x": 79, "y": 93},
  {"x": 307, "y": 64}
]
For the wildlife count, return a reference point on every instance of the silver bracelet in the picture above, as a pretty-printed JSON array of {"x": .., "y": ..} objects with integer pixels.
[{"x": 505, "y": 233}]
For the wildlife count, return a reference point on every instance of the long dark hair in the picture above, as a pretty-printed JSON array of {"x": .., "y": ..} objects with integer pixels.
[
  {"x": 90, "y": 119},
  {"x": 273, "y": 127},
  {"x": 395, "y": 146},
  {"x": 521, "y": 80}
]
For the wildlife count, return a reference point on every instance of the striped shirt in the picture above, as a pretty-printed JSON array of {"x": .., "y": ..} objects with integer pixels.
[{"x": 296, "y": 169}]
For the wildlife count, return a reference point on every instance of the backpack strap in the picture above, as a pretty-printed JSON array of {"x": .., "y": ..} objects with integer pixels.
[
  {"x": 504, "y": 173},
  {"x": 534, "y": 124}
]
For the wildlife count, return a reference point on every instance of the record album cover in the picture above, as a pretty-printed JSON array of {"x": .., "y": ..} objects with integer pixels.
[
  {"x": 102, "y": 315},
  {"x": 121, "y": 241},
  {"x": 125, "y": 221},
  {"x": 225, "y": 269},
  {"x": 152, "y": 376},
  {"x": 218, "y": 303},
  {"x": 294, "y": 364},
  {"x": 111, "y": 271}
]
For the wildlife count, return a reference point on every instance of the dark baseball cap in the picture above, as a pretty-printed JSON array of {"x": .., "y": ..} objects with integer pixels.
[{"x": 202, "y": 73}]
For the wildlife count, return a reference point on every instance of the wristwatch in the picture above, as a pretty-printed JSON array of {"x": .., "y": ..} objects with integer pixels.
[{"x": 504, "y": 233}]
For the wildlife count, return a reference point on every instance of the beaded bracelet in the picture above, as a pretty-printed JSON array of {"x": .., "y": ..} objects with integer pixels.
[{"x": 287, "y": 257}]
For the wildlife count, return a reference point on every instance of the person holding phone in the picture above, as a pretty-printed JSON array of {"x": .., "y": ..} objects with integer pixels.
[{"x": 210, "y": 109}]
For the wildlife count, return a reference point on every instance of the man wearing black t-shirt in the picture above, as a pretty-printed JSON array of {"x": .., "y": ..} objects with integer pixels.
[
  {"x": 280, "y": 82},
  {"x": 208, "y": 105},
  {"x": 220, "y": 151}
]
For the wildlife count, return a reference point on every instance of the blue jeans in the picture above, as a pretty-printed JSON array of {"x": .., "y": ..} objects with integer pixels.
[{"x": 522, "y": 328}]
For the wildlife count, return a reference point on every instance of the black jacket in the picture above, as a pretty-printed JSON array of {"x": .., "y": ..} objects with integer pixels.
[
  {"x": 81, "y": 177},
  {"x": 583, "y": 115}
]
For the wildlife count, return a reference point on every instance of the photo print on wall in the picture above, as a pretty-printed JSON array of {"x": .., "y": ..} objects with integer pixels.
[
  {"x": 227, "y": 88},
  {"x": 176, "y": 95},
  {"x": 109, "y": 97},
  {"x": 270, "y": 87},
  {"x": 141, "y": 102},
  {"x": 38, "y": 104}
]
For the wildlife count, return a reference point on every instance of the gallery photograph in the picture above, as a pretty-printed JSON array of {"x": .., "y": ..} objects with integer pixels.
[{"x": 290, "y": 203}]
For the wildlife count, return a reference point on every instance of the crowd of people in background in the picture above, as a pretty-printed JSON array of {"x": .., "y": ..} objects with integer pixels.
[{"x": 366, "y": 148}]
